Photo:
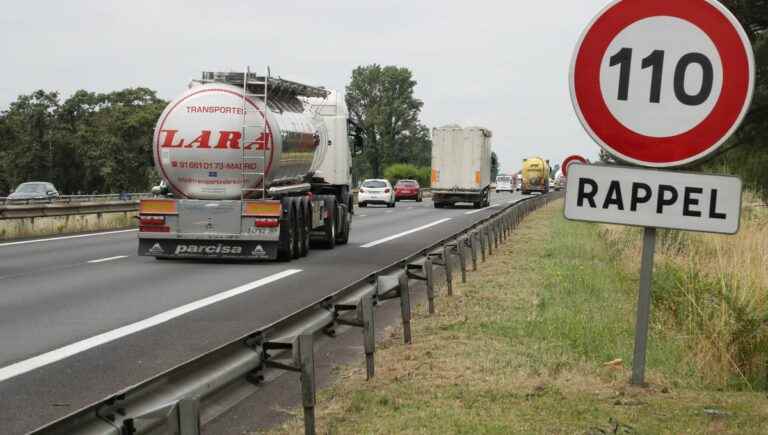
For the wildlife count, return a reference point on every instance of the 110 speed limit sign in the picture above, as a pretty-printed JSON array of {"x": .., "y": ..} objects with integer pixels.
[{"x": 662, "y": 83}]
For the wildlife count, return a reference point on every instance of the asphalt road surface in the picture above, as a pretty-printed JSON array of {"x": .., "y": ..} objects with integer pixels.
[{"x": 83, "y": 316}]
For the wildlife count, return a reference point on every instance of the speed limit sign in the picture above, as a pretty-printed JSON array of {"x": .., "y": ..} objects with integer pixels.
[{"x": 662, "y": 83}]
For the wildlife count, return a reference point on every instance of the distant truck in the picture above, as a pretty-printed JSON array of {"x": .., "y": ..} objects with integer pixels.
[
  {"x": 505, "y": 183},
  {"x": 258, "y": 167},
  {"x": 535, "y": 175},
  {"x": 461, "y": 166}
]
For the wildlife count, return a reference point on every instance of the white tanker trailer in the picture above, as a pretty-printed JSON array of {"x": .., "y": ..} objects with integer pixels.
[{"x": 257, "y": 167}]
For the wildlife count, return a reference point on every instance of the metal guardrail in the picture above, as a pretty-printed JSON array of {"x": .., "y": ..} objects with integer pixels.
[
  {"x": 70, "y": 205},
  {"x": 173, "y": 402},
  {"x": 71, "y": 199}
]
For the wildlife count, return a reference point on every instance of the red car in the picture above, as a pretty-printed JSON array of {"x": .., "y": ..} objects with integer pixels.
[{"x": 408, "y": 189}]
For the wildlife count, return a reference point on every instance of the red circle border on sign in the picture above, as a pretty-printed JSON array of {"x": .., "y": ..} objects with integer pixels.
[
  {"x": 569, "y": 160},
  {"x": 694, "y": 144}
]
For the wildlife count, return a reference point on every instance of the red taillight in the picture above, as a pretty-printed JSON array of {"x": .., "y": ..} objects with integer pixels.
[
  {"x": 152, "y": 220},
  {"x": 153, "y": 224},
  {"x": 386, "y": 190},
  {"x": 266, "y": 223},
  {"x": 362, "y": 190}
]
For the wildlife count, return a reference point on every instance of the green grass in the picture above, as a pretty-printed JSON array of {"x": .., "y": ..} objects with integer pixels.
[{"x": 521, "y": 348}]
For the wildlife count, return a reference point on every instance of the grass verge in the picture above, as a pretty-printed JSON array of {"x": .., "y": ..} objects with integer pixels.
[{"x": 535, "y": 343}]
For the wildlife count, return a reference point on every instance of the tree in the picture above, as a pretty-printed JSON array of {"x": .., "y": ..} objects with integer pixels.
[
  {"x": 28, "y": 142},
  {"x": 494, "y": 166},
  {"x": 381, "y": 102},
  {"x": 89, "y": 143},
  {"x": 405, "y": 171},
  {"x": 746, "y": 153}
]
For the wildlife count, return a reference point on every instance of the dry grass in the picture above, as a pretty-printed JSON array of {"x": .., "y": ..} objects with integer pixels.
[
  {"x": 714, "y": 289},
  {"x": 534, "y": 343}
]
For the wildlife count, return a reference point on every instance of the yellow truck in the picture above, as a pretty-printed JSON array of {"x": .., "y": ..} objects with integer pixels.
[{"x": 535, "y": 175}]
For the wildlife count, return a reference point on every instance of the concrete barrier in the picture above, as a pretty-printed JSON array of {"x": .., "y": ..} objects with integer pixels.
[{"x": 37, "y": 221}]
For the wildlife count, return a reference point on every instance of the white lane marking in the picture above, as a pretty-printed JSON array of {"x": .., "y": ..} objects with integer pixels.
[
  {"x": 44, "y": 359},
  {"x": 404, "y": 233},
  {"x": 513, "y": 201},
  {"x": 101, "y": 260},
  {"x": 50, "y": 239},
  {"x": 481, "y": 209},
  {"x": 362, "y": 215},
  {"x": 389, "y": 211}
]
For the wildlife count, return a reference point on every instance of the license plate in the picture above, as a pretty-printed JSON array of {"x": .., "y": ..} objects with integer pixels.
[{"x": 262, "y": 231}]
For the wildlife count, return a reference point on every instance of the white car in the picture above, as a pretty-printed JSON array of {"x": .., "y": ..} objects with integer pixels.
[{"x": 376, "y": 192}]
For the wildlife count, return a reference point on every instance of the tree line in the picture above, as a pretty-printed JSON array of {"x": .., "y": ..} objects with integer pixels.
[{"x": 87, "y": 143}]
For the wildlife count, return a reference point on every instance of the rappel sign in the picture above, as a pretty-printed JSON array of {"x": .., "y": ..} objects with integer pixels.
[{"x": 660, "y": 84}]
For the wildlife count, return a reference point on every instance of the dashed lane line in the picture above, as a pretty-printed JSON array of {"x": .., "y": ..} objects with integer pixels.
[{"x": 404, "y": 233}]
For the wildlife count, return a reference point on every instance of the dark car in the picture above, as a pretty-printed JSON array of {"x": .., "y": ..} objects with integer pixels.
[
  {"x": 34, "y": 190},
  {"x": 408, "y": 189}
]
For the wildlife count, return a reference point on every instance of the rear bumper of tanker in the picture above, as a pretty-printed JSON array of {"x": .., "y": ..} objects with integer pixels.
[
  {"x": 170, "y": 228},
  {"x": 196, "y": 246}
]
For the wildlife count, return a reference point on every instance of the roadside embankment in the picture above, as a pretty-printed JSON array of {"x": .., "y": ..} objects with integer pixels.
[{"x": 537, "y": 343}]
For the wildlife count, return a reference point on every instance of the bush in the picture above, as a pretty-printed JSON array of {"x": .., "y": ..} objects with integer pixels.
[{"x": 401, "y": 171}]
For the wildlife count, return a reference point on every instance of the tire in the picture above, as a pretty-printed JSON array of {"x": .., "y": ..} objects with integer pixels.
[
  {"x": 438, "y": 205},
  {"x": 303, "y": 223},
  {"x": 329, "y": 229},
  {"x": 286, "y": 245},
  {"x": 419, "y": 199},
  {"x": 477, "y": 205},
  {"x": 342, "y": 237},
  {"x": 362, "y": 204},
  {"x": 392, "y": 204}
]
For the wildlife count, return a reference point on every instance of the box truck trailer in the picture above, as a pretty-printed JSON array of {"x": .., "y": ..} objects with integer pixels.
[{"x": 461, "y": 166}]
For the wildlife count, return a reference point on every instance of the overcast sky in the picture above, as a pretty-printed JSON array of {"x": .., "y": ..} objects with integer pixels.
[{"x": 499, "y": 64}]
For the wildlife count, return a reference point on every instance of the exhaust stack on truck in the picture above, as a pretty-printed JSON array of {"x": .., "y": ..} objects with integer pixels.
[
  {"x": 461, "y": 166},
  {"x": 259, "y": 168}
]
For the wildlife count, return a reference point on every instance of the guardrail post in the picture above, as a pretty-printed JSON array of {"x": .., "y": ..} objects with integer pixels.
[
  {"x": 490, "y": 240},
  {"x": 405, "y": 307},
  {"x": 461, "y": 246},
  {"x": 305, "y": 359},
  {"x": 365, "y": 313},
  {"x": 189, "y": 416},
  {"x": 481, "y": 235},
  {"x": 429, "y": 274},
  {"x": 448, "y": 269},
  {"x": 473, "y": 248},
  {"x": 496, "y": 235}
]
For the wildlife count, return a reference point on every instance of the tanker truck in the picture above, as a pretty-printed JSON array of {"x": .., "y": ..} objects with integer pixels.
[
  {"x": 535, "y": 175},
  {"x": 461, "y": 166},
  {"x": 256, "y": 168}
]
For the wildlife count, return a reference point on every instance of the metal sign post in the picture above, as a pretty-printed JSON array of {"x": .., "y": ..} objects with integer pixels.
[{"x": 643, "y": 307}]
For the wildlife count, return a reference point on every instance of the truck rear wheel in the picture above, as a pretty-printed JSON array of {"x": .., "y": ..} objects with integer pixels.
[
  {"x": 303, "y": 223},
  {"x": 329, "y": 229},
  {"x": 345, "y": 226},
  {"x": 287, "y": 243}
]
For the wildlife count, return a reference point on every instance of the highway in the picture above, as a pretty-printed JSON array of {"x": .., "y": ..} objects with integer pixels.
[{"x": 83, "y": 316}]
